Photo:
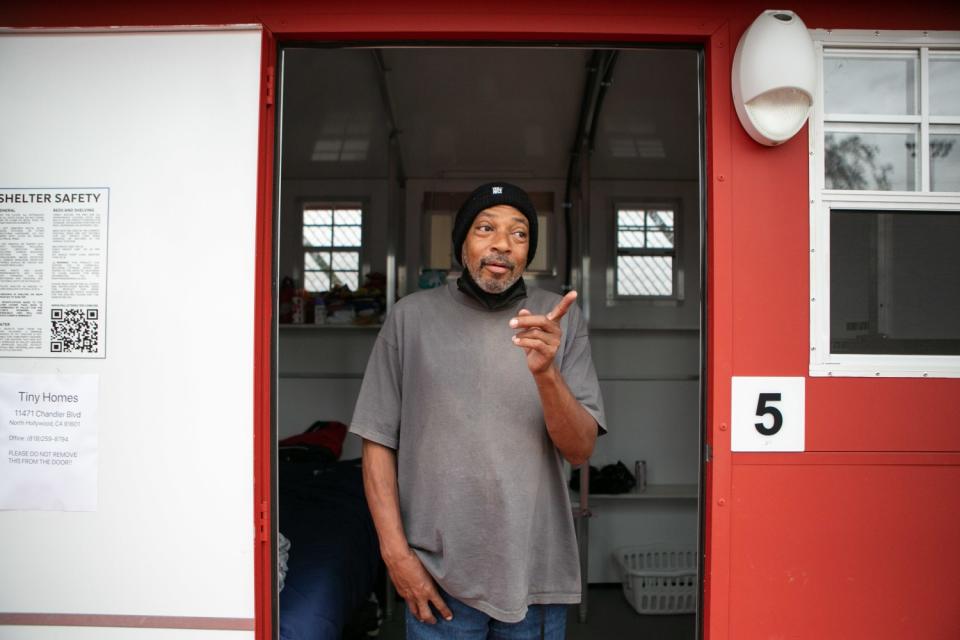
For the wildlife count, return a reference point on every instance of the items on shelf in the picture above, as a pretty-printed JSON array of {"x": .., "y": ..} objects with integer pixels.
[
  {"x": 287, "y": 291},
  {"x": 319, "y": 311},
  {"x": 610, "y": 479},
  {"x": 640, "y": 473},
  {"x": 338, "y": 306},
  {"x": 432, "y": 278},
  {"x": 297, "y": 311},
  {"x": 322, "y": 441}
]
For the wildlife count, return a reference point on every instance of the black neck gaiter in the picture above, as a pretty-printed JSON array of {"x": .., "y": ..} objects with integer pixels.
[{"x": 492, "y": 301}]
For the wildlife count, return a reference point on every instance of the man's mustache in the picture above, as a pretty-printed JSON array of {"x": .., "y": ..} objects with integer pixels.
[{"x": 500, "y": 262}]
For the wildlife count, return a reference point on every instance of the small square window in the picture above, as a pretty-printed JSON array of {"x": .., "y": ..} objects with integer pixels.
[
  {"x": 332, "y": 240},
  {"x": 645, "y": 252}
]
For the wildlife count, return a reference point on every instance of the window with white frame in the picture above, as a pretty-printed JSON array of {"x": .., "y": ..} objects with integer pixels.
[
  {"x": 646, "y": 251},
  {"x": 332, "y": 236},
  {"x": 885, "y": 205}
]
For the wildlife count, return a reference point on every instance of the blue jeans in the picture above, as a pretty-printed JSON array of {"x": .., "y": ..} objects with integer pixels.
[{"x": 471, "y": 624}]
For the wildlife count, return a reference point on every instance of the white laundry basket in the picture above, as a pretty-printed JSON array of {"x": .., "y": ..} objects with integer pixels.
[{"x": 659, "y": 578}]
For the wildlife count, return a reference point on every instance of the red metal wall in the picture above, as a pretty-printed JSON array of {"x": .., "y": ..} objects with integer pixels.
[{"x": 859, "y": 537}]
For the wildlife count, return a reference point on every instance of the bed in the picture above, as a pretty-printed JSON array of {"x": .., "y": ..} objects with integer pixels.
[{"x": 334, "y": 560}]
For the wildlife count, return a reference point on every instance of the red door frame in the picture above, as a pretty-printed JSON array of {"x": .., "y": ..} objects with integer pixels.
[
  {"x": 263, "y": 374},
  {"x": 713, "y": 35}
]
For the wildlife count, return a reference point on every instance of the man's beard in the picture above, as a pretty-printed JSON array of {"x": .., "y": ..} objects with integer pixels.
[{"x": 494, "y": 285}]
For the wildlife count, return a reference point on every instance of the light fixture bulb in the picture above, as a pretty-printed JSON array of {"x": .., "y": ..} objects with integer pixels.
[
  {"x": 774, "y": 77},
  {"x": 780, "y": 113}
]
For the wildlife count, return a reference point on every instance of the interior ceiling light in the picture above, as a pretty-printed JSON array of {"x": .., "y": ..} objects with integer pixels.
[{"x": 774, "y": 75}]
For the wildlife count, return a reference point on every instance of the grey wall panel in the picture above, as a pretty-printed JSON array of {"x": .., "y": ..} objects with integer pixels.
[
  {"x": 328, "y": 351},
  {"x": 627, "y": 523},
  {"x": 653, "y": 421},
  {"x": 626, "y": 354}
]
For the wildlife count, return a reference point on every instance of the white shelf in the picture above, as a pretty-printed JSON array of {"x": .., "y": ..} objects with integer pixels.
[
  {"x": 653, "y": 492},
  {"x": 324, "y": 327}
]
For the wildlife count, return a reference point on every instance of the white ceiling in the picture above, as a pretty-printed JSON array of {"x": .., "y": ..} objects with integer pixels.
[{"x": 477, "y": 112}]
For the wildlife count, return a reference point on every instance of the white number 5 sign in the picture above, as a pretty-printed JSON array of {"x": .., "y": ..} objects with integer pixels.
[{"x": 767, "y": 414}]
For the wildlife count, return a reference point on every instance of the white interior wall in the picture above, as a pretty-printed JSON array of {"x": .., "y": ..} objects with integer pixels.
[
  {"x": 319, "y": 377},
  {"x": 647, "y": 358},
  {"x": 605, "y": 195},
  {"x": 169, "y": 122},
  {"x": 653, "y": 419},
  {"x": 308, "y": 356}
]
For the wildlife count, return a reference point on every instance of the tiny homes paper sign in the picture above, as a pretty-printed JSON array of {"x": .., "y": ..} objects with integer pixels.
[
  {"x": 53, "y": 272},
  {"x": 48, "y": 431},
  {"x": 767, "y": 414}
]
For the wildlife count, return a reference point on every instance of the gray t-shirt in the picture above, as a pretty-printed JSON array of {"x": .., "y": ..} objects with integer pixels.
[{"x": 482, "y": 493}]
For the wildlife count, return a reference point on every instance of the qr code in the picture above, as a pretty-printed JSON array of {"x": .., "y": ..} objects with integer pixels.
[{"x": 74, "y": 330}]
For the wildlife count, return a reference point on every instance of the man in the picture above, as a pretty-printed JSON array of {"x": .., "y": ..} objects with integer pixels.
[{"x": 472, "y": 394}]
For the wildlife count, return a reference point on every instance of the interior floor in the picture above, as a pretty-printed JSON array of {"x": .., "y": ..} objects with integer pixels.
[{"x": 610, "y": 616}]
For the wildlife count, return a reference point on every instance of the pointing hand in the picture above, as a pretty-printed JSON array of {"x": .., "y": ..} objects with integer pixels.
[{"x": 540, "y": 335}]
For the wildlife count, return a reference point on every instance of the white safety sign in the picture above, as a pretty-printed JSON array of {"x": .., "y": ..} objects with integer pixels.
[{"x": 53, "y": 272}]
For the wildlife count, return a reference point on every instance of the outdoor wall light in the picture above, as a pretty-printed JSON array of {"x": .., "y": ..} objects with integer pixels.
[{"x": 774, "y": 75}]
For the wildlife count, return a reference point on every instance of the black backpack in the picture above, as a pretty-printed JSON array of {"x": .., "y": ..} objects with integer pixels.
[{"x": 612, "y": 478}]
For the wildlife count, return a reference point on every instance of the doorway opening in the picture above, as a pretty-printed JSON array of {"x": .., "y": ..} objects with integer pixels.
[{"x": 376, "y": 149}]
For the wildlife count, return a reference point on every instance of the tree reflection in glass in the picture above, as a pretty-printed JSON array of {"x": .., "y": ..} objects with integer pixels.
[
  {"x": 849, "y": 163},
  {"x": 870, "y": 161}
]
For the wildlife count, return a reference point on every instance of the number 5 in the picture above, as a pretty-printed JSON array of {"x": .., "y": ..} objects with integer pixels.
[{"x": 763, "y": 409}]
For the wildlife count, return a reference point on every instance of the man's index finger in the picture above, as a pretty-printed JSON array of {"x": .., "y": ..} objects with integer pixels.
[{"x": 561, "y": 309}]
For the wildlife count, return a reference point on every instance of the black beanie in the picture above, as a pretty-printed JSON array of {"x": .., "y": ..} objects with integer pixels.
[{"x": 490, "y": 195}]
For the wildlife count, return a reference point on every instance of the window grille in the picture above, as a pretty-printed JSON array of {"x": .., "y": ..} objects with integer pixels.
[
  {"x": 646, "y": 251},
  {"x": 332, "y": 241}
]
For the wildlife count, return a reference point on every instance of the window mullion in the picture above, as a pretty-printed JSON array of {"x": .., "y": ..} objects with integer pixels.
[
  {"x": 647, "y": 251},
  {"x": 871, "y": 118},
  {"x": 924, "y": 146},
  {"x": 871, "y": 127}
]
